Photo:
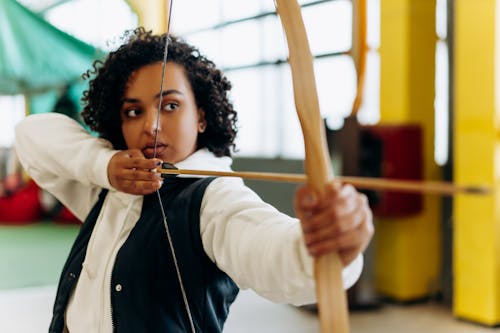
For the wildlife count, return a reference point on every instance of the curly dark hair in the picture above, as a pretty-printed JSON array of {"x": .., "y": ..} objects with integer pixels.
[{"x": 102, "y": 101}]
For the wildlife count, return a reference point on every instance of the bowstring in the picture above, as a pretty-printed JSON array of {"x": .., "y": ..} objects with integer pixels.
[{"x": 164, "y": 216}]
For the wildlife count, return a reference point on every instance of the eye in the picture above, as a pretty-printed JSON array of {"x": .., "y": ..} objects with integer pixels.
[
  {"x": 132, "y": 113},
  {"x": 170, "y": 106}
]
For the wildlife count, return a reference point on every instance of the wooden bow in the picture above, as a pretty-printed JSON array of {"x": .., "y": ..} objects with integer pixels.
[
  {"x": 359, "y": 50},
  {"x": 330, "y": 292}
]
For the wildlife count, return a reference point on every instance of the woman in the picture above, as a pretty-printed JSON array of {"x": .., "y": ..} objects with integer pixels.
[{"x": 122, "y": 275}]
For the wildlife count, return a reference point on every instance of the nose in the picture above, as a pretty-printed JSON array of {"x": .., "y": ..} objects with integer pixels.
[{"x": 151, "y": 122}]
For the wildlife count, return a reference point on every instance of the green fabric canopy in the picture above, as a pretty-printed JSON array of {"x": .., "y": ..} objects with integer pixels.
[{"x": 35, "y": 56}]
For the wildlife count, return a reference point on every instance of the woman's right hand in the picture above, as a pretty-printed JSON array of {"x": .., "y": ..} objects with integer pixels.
[{"x": 130, "y": 172}]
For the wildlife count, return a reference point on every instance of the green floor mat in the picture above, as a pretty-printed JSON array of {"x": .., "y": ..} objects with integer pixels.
[{"x": 33, "y": 255}]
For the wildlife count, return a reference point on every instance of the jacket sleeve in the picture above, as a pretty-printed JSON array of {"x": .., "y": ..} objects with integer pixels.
[
  {"x": 259, "y": 247},
  {"x": 64, "y": 159}
]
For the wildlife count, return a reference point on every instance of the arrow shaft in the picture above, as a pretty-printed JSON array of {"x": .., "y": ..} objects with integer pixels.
[{"x": 397, "y": 185}]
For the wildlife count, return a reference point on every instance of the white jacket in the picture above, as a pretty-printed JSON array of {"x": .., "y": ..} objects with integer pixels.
[{"x": 256, "y": 245}]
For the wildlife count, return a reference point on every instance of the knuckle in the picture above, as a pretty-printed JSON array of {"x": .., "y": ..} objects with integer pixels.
[
  {"x": 313, "y": 224},
  {"x": 370, "y": 229},
  {"x": 314, "y": 238},
  {"x": 307, "y": 239},
  {"x": 306, "y": 227},
  {"x": 332, "y": 212},
  {"x": 350, "y": 188},
  {"x": 300, "y": 191},
  {"x": 363, "y": 198}
]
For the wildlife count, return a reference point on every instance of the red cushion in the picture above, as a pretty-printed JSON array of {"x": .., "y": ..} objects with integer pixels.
[{"x": 22, "y": 206}]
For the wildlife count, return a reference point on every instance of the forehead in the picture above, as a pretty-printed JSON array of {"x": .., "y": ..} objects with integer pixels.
[{"x": 147, "y": 79}]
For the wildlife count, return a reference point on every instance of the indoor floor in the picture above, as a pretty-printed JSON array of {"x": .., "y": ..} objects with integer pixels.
[{"x": 28, "y": 311}]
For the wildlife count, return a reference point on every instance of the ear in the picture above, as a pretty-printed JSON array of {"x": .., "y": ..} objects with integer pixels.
[
  {"x": 202, "y": 122},
  {"x": 201, "y": 115}
]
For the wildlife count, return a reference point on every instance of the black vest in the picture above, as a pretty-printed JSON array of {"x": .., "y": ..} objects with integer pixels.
[{"x": 145, "y": 293}]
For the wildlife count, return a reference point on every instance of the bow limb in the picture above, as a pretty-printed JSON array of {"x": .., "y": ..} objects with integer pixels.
[
  {"x": 330, "y": 293},
  {"x": 359, "y": 50}
]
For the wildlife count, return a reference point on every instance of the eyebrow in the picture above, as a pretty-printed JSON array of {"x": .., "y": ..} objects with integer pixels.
[{"x": 165, "y": 93}]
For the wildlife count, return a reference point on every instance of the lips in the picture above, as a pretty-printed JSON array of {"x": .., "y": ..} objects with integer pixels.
[{"x": 149, "y": 150}]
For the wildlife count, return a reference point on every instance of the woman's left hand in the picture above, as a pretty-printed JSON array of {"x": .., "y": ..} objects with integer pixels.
[{"x": 340, "y": 221}]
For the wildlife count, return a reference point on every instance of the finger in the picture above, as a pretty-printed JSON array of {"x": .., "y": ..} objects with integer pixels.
[
  {"x": 141, "y": 187},
  {"x": 323, "y": 248},
  {"x": 138, "y": 175},
  {"x": 127, "y": 158},
  {"x": 318, "y": 235},
  {"x": 355, "y": 209},
  {"x": 134, "y": 158},
  {"x": 305, "y": 197},
  {"x": 356, "y": 240},
  {"x": 343, "y": 241},
  {"x": 337, "y": 192},
  {"x": 134, "y": 153},
  {"x": 348, "y": 203},
  {"x": 367, "y": 228},
  {"x": 317, "y": 221},
  {"x": 347, "y": 256},
  {"x": 333, "y": 189},
  {"x": 325, "y": 230},
  {"x": 145, "y": 164},
  {"x": 341, "y": 217}
]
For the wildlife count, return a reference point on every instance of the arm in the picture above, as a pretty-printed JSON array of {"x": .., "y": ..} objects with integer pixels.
[
  {"x": 259, "y": 247},
  {"x": 64, "y": 159}
]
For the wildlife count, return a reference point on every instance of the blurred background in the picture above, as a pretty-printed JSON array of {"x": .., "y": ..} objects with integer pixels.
[{"x": 408, "y": 90}]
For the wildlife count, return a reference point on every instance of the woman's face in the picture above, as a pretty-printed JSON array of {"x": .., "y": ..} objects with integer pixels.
[{"x": 180, "y": 119}]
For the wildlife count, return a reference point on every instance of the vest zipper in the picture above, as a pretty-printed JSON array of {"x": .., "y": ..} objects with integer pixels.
[{"x": 111, "y": 301}]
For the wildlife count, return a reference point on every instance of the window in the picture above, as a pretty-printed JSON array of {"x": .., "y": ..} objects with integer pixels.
[
  {"x": 12, "y": 109},
  {"x": 98, "y": 22},
  {"x": 247, "y": 41},
  {"x": 369, "y": 112},
  {"x": 441, "y": 103}
]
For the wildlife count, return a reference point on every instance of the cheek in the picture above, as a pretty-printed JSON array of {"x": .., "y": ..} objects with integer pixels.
[
  {"x": 190, "y": 129},
  {"x": 185, "y": 127},
  {"x": 130, "y": 132}
]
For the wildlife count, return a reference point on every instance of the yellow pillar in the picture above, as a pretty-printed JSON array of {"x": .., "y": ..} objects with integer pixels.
[
  {"x": 476, "y": 148},
  {"x": 408, "y": 250},
  {"x": 152, "y": 14}
]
